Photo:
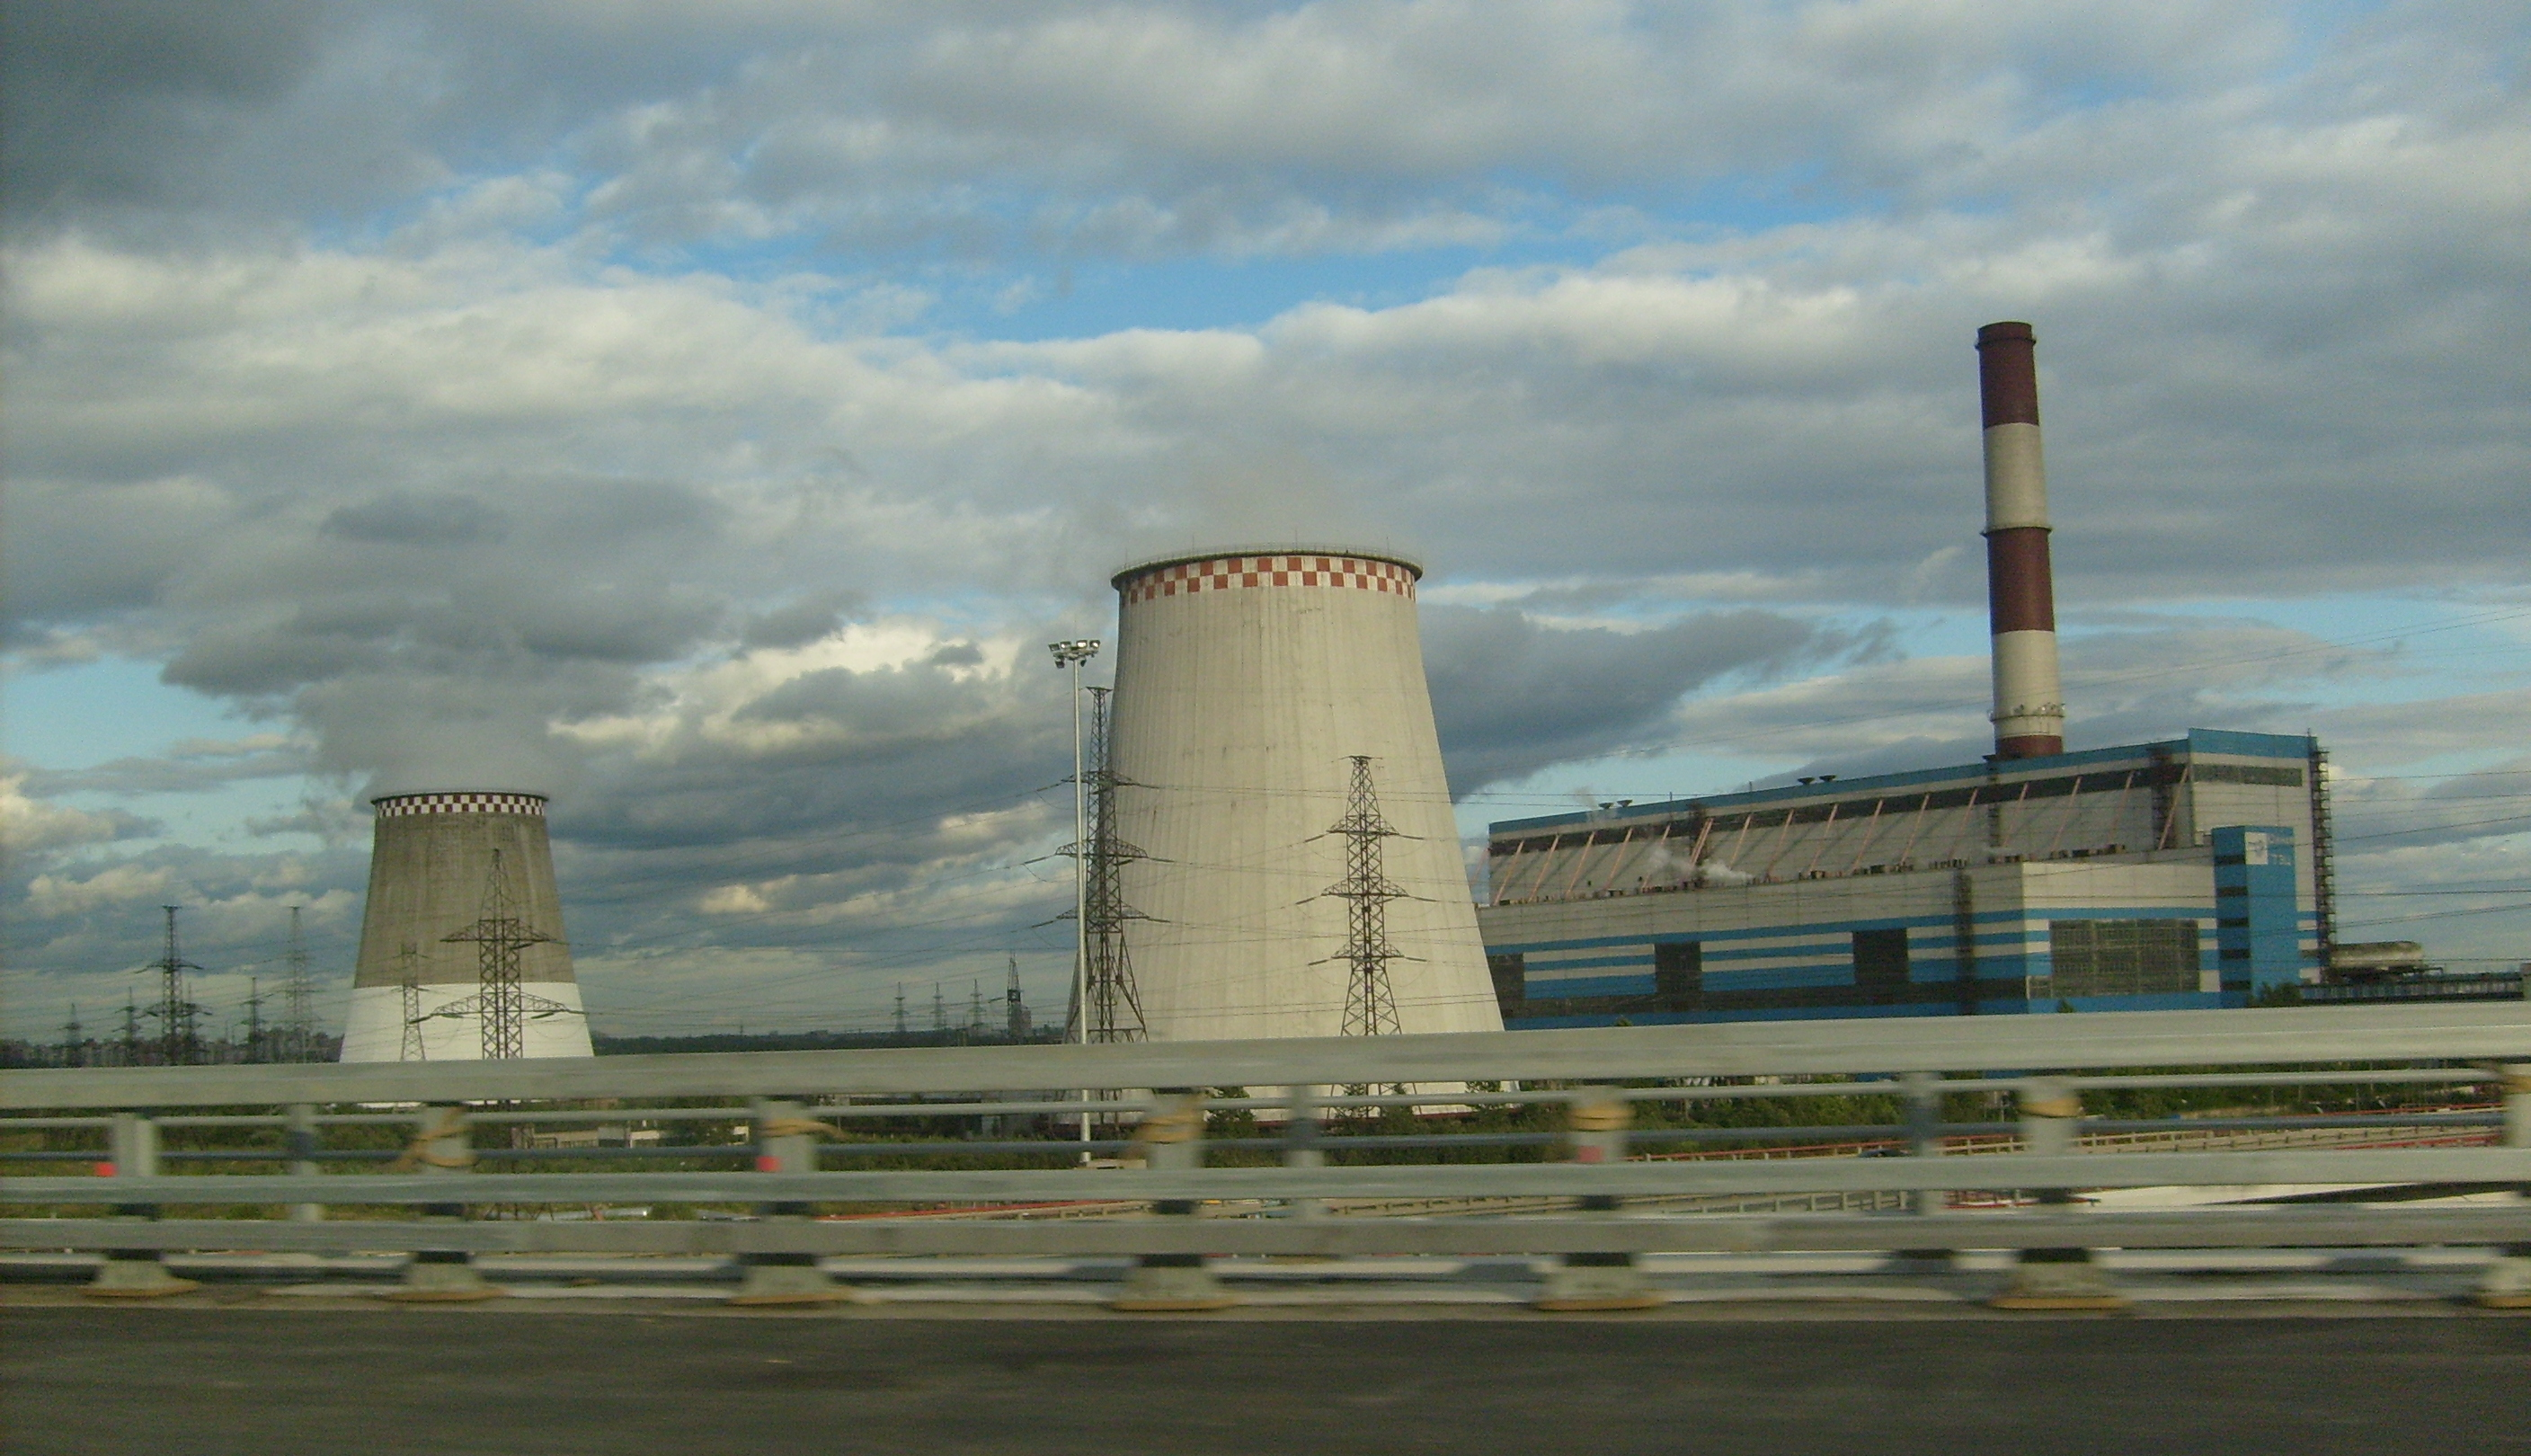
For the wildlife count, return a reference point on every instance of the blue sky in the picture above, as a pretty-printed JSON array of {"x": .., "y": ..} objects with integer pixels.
[{"x": 707, "y": 419}]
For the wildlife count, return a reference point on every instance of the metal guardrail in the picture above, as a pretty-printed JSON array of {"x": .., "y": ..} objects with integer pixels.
[
  {"x": 1865, "y": 1046},
  {"x": 2044, "y": 1063}
]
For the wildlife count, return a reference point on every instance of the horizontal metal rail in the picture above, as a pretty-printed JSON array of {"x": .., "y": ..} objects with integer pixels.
[
  {"x": 1882, "y": 1045},
  {"x": 1448, "y": 1180},
  {"x": 2330, "y": 1226},
  {"x": 1806, "y": 1133}
]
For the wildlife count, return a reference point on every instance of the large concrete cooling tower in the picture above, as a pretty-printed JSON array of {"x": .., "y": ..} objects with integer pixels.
[
  {"x": 1246, "y": 685},
  {"x": 421, "y": 994}
]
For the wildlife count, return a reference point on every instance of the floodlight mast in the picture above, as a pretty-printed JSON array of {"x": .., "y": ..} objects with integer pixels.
[{"x": 1071, "y": 655}]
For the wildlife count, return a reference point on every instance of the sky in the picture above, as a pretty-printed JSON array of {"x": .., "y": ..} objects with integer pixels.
[{"x": 705, "y": 415}]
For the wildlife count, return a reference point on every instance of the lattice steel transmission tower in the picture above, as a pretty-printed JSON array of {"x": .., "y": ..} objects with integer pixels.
[
  {"x": 499, "y": 1003},
  {"x": 73, "y": 1045},
  {"x": 1371, "y": 1006},
  {"x": 295, "y": 1039},
  {"x": 180, "y": 1038},
  {"x": 409, "y": 984},
  {"x": 1015, "y": 1006},
  {"x": 131, "y": 1038},
  {"x": 257, "y": 1038},
  {"x": 1114, "y": 1009}
]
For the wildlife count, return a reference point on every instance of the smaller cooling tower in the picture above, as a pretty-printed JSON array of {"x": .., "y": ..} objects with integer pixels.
[
  {"x": 1247, "y": 684},
  {"x": 419, "y": 993}
]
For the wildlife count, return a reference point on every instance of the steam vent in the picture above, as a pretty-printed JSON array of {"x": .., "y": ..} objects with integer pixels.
[
  {"x": 1247, "y": 685},
  {"x": 476, "y": 866}
]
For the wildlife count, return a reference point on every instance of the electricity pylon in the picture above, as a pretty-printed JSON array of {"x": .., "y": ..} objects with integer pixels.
[
  {"x": 499, "y": 1001},
  {"x": 179, "y": 1041},
  {"x": 1371, "y": 1006},
  {"x": 409, "y": 984},
  {"x": 295, "y": 1039},
  {"x": 1114, "y": 1009}
]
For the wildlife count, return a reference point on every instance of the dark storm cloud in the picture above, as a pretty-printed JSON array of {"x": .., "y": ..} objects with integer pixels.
[
  {"x": 797, "y": 623},
  {"x": 834, "y": 752},
  {"x": 129, "y": 101},
  {"x": 494, "y": 392},
  {"x": 1511, "y": 695},
  {"x": 405, "y": 519}
]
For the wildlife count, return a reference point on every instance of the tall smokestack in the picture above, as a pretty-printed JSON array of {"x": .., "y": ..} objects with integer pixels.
[{"x": 2021, "y": 598}]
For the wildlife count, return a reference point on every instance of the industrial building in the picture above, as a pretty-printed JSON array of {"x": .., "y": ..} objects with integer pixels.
[
  {"x": 1283, "y": 831},
  {"x": 2192, "y": 872},
  {"x": 461, "y": 948},
  {"x": 2157, "y": 876}
]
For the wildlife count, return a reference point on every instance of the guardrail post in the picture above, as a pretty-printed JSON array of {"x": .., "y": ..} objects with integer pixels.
[
  {"x": 2508, "y": 1283},
  {"x": 2054, "y": 1278},
  {"x": 1301, "y": 1132},
  {"x": 1921, "y": 1102},
  {"x": 786, "y": 1141},
  {"x": 302, "y": 1133},
  {"x": 135, "y": 1273},
  {"x": 1170, "y": 1139},
  {"x": 1596, "y": 1123},
  {"x": 442, "y": 1146}
]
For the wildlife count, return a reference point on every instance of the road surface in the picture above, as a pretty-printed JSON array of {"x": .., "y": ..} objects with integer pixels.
[{"x": 204, "y": 1380}]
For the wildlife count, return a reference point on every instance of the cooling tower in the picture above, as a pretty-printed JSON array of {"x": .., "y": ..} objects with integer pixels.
[
  {"x": 1246, "y": 685},
  {"x": 418, "y": 993}
]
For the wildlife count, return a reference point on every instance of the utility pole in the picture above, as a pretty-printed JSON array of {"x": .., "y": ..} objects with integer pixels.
[
  {"x": 1371, "y": 1008},
  {"x": 499, "y": 1001},
  {"x": 1071, "y": 655},
  {"x": 940, "y": 1014},
  {"x": 296, "y": 1038},
  {"x": 180, "y": 1040},
  {"x": 900, "y": 1008},
  {"x": 975, "y": 1011},
  {"x": 74, "y": 1047}
]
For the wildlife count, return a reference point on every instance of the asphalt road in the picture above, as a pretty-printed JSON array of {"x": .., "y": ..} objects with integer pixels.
[{"x": 203, "y": 1381}]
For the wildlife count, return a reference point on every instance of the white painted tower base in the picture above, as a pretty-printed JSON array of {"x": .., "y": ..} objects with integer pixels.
[{"x": 374, "y": 1029}]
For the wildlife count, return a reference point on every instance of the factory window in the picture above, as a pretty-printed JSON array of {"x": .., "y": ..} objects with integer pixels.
[
  {"x": 1678, "y": 975},
  {"x": 1511, "y": 981},
  {"x": 2246, "y": 773},
  {"x": 2122, "y": 958},
  {"x": 1880, "y": 966}
]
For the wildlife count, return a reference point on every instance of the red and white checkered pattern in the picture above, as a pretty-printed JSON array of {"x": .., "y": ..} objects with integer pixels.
[
  {"x": 403, "y": 803},
  {"x": 1358, "y": 572}
]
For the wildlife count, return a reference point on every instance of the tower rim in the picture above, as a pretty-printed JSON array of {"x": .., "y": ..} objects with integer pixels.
[
  {"x": 1148, "y": 565},
  {"x": 475, "y": 792}
]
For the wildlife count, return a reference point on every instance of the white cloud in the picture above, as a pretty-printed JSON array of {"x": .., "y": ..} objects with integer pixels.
[{"x": 614, "y": 399}]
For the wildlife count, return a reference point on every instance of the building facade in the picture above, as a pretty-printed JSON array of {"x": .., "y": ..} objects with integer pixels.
[{"x": 2191, "y": 872}]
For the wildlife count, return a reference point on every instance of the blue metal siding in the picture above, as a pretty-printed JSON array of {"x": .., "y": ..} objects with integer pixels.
[{"x": 2254, "y": 891}]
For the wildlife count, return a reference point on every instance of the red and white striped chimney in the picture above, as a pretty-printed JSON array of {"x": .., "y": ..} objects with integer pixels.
[{"x": 2021, "y": 598}]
